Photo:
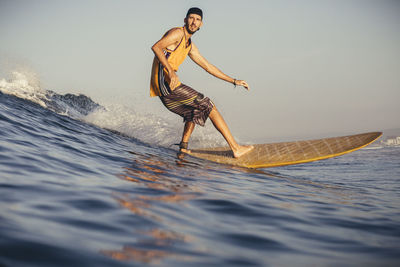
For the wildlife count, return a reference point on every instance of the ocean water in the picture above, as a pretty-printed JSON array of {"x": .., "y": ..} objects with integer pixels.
[{"x": 86, "y": 185}]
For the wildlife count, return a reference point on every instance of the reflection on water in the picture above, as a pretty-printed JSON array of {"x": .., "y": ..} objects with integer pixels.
[
  {"x": 158, "y": 184},
  {"x": 161, "y": 239},
  {"x": 141, "y": 255},
  {"x": 331, "y": 193},
  {"x": 152, "y": 173}
]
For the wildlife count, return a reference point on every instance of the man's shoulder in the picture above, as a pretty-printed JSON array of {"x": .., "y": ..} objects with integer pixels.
[{"x": 175, "y": 32}]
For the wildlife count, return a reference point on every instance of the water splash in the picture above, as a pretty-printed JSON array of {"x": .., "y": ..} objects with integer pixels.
[
  {"x": 24, "y": 85},
  {"x": 149, "y": 128}
]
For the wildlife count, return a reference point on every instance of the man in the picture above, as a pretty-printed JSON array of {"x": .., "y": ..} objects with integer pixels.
[{"x": 170, "y": 51}]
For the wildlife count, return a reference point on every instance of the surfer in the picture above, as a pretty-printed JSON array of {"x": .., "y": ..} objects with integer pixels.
[{"x": 170, "y": 51}]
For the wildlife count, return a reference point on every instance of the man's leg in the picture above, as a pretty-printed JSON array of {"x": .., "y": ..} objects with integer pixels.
[
  {"x": 187, "y": 132},
  {"x": 222, "y": 127}
]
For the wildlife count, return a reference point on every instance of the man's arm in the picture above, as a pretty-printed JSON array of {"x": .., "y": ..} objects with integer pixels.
[
  {"x": 210, "y": 68},
  {"x": 169, "y": 40}
]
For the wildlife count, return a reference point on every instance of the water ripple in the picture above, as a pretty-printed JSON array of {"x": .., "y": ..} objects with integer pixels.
[{"x": 73, "y": 194}]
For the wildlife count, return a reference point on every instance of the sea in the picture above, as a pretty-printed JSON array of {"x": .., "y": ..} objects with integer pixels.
[{"x": 85, "y": 184}]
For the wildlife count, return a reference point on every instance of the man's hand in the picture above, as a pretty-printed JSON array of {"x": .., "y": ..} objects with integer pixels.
[
  {"x": 174, "y": 80},
  {"x": 242, "y": 83}
]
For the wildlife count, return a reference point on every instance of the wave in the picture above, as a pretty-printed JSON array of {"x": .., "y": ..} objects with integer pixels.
[
  {"x": 24, "y": 86},
  {"x": 28, "y": 87},
  {"x": 148, "y": 128}
]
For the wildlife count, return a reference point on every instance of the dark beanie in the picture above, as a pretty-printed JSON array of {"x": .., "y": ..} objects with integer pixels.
[{"x": 195, "y": 10}]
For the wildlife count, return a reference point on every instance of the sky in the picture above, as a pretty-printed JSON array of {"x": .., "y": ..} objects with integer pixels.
[{"x": 315, "y": 68}]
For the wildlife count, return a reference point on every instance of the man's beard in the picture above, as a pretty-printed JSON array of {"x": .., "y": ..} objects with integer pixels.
[{"x": 190, "y": 31}]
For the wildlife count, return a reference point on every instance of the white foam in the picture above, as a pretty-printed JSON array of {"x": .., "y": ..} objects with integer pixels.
[
  {"x": 24, "y": 85},
  {"x": 372, "y": 147},
  {"x": 150, "y": 128},
  {"x": 129, "y": 120}
]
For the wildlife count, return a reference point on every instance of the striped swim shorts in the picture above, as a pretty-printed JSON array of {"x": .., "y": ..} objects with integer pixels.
[{"x": 189, "y": 104}]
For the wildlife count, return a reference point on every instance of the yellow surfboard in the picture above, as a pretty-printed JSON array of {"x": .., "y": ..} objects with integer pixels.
[{"x": 288, "y": 153}]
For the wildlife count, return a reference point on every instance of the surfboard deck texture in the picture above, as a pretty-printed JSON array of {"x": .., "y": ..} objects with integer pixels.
[{"x": 288, "y": 153}]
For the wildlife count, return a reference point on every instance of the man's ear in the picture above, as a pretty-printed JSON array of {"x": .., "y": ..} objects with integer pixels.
[{"x": 185, "y": 20}]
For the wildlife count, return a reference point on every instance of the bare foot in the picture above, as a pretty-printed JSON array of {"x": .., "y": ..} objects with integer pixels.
[
  {"x": 181, "y": 154},
  {"x": 183, "y": 150},
  {"x": 242, "y": 150}
]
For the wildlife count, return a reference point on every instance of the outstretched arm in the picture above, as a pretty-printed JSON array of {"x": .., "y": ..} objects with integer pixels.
[{"x": 210, "y": 68}]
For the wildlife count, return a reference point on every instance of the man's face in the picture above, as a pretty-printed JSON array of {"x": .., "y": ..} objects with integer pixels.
[{"x": 193, "y": 23}]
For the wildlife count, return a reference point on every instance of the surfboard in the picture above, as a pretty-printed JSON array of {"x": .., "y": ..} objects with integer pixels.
[{"x": 288, "y": 153}]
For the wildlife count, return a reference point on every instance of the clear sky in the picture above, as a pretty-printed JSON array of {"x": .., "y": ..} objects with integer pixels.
[{"x": 315, "y": 67}]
